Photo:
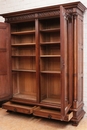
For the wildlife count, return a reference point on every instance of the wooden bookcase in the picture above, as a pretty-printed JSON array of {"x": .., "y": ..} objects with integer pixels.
[{"x": 41, "y": 70}]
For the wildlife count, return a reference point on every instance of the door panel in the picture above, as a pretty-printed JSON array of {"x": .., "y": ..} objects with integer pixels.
[
  {"x": 5, "y": 64},
  {"x": 65, "y": 105}
]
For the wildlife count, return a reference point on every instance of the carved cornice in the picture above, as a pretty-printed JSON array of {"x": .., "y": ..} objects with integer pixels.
[
  {"x": 45, "y": 14},
  {"x": 50, "y": 14},
  {"x": 20, "y": 18},
  {"x": 33, "y": 16}
]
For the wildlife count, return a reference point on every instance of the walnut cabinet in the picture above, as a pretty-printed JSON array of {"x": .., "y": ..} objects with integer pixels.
[{"x": 41, "y": 62}]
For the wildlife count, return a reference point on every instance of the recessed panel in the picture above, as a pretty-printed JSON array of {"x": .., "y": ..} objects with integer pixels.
[{"x": 3, "y": 63}]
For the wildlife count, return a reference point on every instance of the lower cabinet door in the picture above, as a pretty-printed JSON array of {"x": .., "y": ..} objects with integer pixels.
[
  {"x": 51, "y": 114},
  {"x": 18, "y": 108}
]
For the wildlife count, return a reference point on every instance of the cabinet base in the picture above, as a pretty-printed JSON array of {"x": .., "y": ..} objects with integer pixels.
[
  {"x": 72, "y": 116},
  {"x": 76, "y": 119}
]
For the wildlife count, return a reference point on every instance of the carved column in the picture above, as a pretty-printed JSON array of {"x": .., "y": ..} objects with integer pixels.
[{"x": 75, "y": 102}]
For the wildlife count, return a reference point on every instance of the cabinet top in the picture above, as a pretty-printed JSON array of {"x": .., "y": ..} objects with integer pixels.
[{"x": 44, "y": 11}]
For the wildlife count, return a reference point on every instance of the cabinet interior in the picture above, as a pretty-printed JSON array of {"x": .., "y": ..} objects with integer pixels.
[
  {"x": 50, "y": 30},
  {"x": 24, "y": 60},
  {"x": 24, "y": 85},
  {"x": 23, "y": 49},
  {"x": 50, "y": 54},
  {"x": 50, "y": 88}
]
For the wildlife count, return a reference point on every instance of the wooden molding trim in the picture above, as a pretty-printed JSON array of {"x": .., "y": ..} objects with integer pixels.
[
  {"x": 20, "y": 18},
  {"x": 37, "y": 15},
  {"x": 50, "y": 13},
  {"x": 26, "y": 15},
  {"x": 33, "y": 16}
]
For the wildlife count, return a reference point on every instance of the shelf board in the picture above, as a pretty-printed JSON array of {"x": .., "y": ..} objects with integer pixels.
[
  {"x": 50, "y": 30},
  {"x": 52, "y": 100},
  {"x": 23, "y": 32},
  {"x": 24, "y": 44},
  {"x": 23, "y": 56},
  {"x": 22, "y": 70},
  {"x": 50, "y": 43},
  {"x": 24, "y": 96},
  {"x": 49, "y": 56},
  {"x": 51, "y": 72}
]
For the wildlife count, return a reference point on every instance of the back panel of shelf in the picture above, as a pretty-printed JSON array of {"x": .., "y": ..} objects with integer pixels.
[
  {"x": 23, "y": 50},
  {"x": 50, "y": 64},
  {"x": 24, "y": 85},
  {"x": 23, "y": 39},
  {"x": 50, "y": 88},
  {"x": 50, "y": 49},
  {"x": 24, "y": 26},
  {"x": 24, "y": 63},
  {"x": 23, "y": 33},
  {"x": 50, "y": 30}
]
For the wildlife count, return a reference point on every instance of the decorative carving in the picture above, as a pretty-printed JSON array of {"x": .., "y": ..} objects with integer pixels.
[
  {"x": 68, "y": 14},
  {"x": 25, "y": 17},
  {"x": 20, "y": 18},
  {"x": 32, "y": 16},
  {"x": 75, "y": 15},
  {"x": 50, "y": 13},
  {"x": 70, "y": 11}
]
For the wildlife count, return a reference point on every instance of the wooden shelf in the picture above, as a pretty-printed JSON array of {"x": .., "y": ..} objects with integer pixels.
[
  {"x": 50, "y": 43},
  {"x": 22, "y": 70},
  {"x": 51, "y": 100},
  {"x": 49, "y": 56},
  {"x": 23, "y": 32},
  {"x": 24, "y": 96},
  {"x": 51, "y": 72},
  {"x": 50, "y": 30},
  {"x": 23, "y": 56},
  {"x": 24, "y": 44}
]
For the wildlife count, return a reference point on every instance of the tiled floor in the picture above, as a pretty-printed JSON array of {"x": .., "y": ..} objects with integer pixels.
[{"x": 13, "y": 121}]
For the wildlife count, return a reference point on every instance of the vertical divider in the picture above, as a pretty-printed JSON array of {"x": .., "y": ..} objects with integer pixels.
[
  {"x": 37, "y": 59},
  {"x": 63, "y": 36}
]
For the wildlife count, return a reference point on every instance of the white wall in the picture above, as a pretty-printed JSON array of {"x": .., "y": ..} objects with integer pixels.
[{"x": 18, "y": 5}]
